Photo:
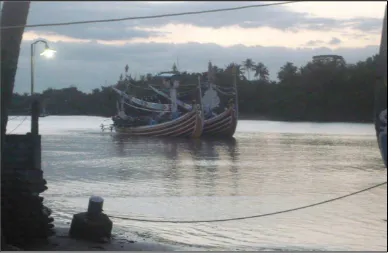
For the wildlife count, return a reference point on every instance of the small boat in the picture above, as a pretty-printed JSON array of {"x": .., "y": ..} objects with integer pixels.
[{"x": 174, "y": 124}]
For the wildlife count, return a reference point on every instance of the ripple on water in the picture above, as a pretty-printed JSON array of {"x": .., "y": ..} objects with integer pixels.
[{"x": 270, "y": 166}]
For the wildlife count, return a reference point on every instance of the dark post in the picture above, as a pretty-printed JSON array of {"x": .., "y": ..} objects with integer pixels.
[
  {"x": 34, "y": 117},
  {"x": 381, "y": 94},
  {"x": 95, "y": 206},
  {"x": 92, "y": 225}
]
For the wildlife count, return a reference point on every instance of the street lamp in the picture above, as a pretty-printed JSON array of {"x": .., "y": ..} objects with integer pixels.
[{"x": 49, "y": 53}]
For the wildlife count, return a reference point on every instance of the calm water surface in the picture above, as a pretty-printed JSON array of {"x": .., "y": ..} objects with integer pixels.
[{"x": 269, "y": 166}]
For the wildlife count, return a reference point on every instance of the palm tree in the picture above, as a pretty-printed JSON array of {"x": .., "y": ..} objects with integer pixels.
[
  {"x": 217, "y": 70},
  {"x": 248, "y": 64},
  {"x": 287, "y": 72},
  {"x": 261, "y": 71},
  {"x": 238, "y": 69}
]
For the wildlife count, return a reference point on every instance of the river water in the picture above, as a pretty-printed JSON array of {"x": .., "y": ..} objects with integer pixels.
[{"x": 268, "y": 167}]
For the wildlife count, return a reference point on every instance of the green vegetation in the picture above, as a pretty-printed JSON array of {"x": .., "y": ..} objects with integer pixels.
[{"x": 325, "y": 89}]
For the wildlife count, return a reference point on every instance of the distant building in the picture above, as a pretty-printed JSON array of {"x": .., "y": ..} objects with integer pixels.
[{"x": 329, "y": 58}]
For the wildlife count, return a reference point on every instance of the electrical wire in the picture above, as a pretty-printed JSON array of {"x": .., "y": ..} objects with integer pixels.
[
  {"x": 253, "y": 216},
  {"x": 148, "y": 17},
  {"x": 25, "y": 117}
]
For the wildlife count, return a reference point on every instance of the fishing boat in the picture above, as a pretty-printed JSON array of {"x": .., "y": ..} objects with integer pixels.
[
  {"x": 224, "y": 122},
  {"x": 167, "y": 120},
  {"x": 219, "y": 120}
]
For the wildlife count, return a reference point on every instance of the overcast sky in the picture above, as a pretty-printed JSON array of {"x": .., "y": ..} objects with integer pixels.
[{"x": 93, "y": 55}]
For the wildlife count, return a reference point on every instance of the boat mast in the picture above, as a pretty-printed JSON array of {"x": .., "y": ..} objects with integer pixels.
[
  {"x": 235, "y": 91},
  {"x": 210, "y": 74}
]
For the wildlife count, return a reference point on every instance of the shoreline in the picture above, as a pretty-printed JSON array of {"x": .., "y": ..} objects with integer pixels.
[
  {"x": 62, "y": 242},
  {"x": 241, "y": 117}
]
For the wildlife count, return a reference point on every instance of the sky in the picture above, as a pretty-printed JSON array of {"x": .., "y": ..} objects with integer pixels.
[{"x": 93, "y": 55}]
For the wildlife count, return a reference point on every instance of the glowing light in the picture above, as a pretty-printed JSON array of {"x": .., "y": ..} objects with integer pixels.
[{"x": 49, "y": 53}]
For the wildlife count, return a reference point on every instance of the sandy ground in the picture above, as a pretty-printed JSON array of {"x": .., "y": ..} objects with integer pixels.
[{"x": 62, "y": 242}]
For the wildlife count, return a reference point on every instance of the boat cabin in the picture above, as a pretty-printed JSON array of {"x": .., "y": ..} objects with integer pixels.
[{"x": 168, "y": 78}]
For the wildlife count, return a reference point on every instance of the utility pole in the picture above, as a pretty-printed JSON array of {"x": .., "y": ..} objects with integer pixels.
[{"x": 14, "y": 13}]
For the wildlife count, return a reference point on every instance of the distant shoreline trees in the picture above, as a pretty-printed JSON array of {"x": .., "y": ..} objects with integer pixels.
[{"x": 326, "y": 89}]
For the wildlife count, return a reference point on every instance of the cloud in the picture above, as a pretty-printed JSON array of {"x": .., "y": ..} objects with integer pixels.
[
  {"x": 335, "y": 41},
  {"x": 314, "y": 42},
  {"x": 371, "y": 25},
  {"x": 84, "y": 57},
  {"x": 278, "y": 17},
  {"x": 91, "y": 65},
  {"x": 103, "y": 32}
]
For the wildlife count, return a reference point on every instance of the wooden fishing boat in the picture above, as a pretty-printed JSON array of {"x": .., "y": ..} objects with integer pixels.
[
  {"x": 189, "y": 124},
  {"x": 221, "y": 124}
]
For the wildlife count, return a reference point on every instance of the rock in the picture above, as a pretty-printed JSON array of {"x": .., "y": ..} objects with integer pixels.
[{"x": 24, "y": 218}]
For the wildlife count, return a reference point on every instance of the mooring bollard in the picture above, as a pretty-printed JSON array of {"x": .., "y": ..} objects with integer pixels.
[
  {"x": 95, "y": 206},
  {"x": 91, "y": 225}
]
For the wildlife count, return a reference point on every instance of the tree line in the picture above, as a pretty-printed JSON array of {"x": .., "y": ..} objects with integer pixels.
[{"x": 325, "y": 89}]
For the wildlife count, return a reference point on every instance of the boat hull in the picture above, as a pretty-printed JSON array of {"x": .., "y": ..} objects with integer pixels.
[
  {"x": 222, "y": 125},
  {"x": 189, "y": 125}
]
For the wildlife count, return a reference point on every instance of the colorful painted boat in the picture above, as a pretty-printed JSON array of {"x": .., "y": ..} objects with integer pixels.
[
  {"x": 221, "y": 125},
  {"x": 189, "y": 124}
]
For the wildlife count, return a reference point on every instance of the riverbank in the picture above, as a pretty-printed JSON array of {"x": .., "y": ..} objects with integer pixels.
[
  {"x": 242, "y": 116},
  {"x": 62, "y": 242},
  {"x": 265, "y": 118}
]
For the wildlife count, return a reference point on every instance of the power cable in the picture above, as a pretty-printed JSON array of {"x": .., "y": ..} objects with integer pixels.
[
  {"x": 18, "y": 125},
  {"x": 253, "y": 216},
  {"x": 149, "y": 17}
]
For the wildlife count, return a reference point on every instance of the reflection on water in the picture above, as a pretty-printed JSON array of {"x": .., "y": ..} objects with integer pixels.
[
  {"x": 199, "y": 155},
  {"x": 255, "y": 173}
]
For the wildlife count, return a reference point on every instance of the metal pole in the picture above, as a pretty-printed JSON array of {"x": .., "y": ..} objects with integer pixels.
[
  {"x": 32, "y": 69},
  {"x": 35, "y": 109}
]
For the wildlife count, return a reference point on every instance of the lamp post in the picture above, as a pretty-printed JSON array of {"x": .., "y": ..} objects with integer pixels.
[
  {"x": 49, "y": 53},
  {"x": 35, "y": 108}
]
